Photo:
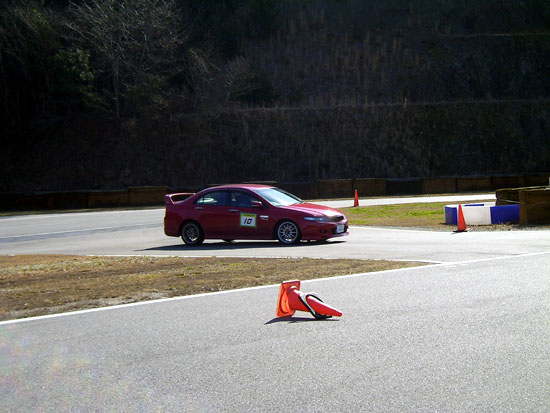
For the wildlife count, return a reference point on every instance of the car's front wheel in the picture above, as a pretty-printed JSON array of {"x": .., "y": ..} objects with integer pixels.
[
  {"x": 288, "y": 232},
  {"x": 191, "y": 233}
]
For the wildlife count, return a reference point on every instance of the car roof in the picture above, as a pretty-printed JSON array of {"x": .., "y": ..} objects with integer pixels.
[{"x": 241, "y": 186}]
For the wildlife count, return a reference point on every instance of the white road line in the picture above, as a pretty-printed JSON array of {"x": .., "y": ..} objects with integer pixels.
[
  {"x": 439, "y": 264},
  {"x": 401, "y": 229},
  {"x": 78, "y": 230},
  {"x": 187, "y": 297},
  {"x": 504, "y": 257},
  {"x": 69, "y": 214},
  {"x": 139, "y": 303}
]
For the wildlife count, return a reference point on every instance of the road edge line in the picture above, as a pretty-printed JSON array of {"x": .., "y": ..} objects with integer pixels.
[{"x": 259, "y": 287}]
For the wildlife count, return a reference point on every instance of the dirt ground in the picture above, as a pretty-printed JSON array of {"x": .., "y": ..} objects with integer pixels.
[{"x": 32, "y": 285}]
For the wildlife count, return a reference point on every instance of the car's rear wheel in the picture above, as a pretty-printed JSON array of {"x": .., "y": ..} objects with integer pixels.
[
  {"x": 191, "y": 233},
  {"x": 288, "y": 232}
]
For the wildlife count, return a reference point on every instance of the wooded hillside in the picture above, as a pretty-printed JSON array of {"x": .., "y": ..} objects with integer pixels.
[{"x": 115, "y": 93}]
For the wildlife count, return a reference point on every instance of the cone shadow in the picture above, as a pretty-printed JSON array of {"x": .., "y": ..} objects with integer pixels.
[{"x": 291, "y": 319}]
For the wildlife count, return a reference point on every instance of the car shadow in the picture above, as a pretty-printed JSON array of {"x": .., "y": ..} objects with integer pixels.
[{"x": 237, "y": 245}]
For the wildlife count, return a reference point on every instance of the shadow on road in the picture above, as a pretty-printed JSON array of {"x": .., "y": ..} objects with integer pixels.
[
  {"x": 291, "y": 319},
  {"x": 227, "y": 246}
]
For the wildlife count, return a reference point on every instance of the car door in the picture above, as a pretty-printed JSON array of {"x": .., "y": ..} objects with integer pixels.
[
  {"x": 213, "y": 214},
  {"x": 249, "y": 216}
]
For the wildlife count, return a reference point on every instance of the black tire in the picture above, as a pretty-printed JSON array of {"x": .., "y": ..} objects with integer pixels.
[
  {"x": 287, "y": 232},
  {"x": 191, "y": 233}
]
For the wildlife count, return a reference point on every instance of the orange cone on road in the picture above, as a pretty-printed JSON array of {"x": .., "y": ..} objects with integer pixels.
[
  {"x": 356, "y": 200},
  {"x": 291, "y": 299},
  {"x": 461, "y": 224}
]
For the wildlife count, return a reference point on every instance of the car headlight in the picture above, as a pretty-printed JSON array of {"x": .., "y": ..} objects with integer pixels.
[{"x": 316, "y": 219}]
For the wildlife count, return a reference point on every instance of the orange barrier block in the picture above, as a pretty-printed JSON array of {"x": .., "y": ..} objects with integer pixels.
[{"x": 291, "y": 299}]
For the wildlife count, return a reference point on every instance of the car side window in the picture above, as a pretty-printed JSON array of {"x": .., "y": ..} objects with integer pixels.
[
  {"x": 214, "y": 198},
  {"x": 242, "y": 199}
]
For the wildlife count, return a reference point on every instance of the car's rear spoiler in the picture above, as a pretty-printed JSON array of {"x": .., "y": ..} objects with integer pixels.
[{"x": 169, "y": 199}]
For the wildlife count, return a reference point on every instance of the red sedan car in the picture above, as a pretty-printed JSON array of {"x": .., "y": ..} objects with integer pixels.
[{"x": 259, "y": 212}]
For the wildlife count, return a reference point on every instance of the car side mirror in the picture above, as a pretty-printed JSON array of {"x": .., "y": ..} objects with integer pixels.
[{"x": 256, "y": 204}]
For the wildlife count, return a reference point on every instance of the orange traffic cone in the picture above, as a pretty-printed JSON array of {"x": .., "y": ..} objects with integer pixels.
[
  {"x": 356, "y": 200},
  {"x": 291, "y": 299},
  {"x": 461, "y": 224}
]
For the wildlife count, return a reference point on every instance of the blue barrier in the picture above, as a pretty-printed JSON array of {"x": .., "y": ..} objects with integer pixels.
[
  {"x": 496, "y": 214},
  {"x": 502, "y": 214}
]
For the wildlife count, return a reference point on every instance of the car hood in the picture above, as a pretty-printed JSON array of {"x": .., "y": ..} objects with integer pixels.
[{"x": 314, "y": 209}]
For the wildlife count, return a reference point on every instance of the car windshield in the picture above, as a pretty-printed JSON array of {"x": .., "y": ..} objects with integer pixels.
[{"x": 278, "y": 197}]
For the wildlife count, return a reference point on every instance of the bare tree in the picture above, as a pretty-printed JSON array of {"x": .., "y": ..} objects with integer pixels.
[{"x": 134, "y": 43}]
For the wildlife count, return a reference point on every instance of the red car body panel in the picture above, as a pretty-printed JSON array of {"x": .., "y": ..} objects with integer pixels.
[{"x": 255, "y": 221}]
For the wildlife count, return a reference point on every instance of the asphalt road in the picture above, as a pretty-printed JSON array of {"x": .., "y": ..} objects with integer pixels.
[
  {"x": 470, "y": 332},
  {"x": 140, "y": 233}
]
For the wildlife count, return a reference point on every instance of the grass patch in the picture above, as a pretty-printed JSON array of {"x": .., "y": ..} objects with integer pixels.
[
  {"x": 421, "y": 215},
  {"x": 32, "y": 285}
]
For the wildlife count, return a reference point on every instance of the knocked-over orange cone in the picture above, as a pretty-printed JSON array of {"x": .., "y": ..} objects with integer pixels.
[
  {"x": 356, "y": 200},
  {"x": 461, "y": 224},
  {"x": 291, "y": 299}
]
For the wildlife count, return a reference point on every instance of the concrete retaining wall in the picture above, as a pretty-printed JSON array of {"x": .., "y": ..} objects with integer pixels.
[
  {"x": 305, "y": 190},
  {"x": 408, "y": 186},
  {"x": 534, "y": 203},
  {"x": 534, "y": 206},
  {"x": 537, "y": 179},
  {"x": 473, "y": 183},
  {"x": 322, "y": 189},
  {"x": 371, "y": 186},
  {"x": 507, "y": 196},
  {"x": 146, "y": 195},
  {"x": 514, "y": 181},
  {"x": 102, "y": 199},
  {"x": 142, "y": 196},
  {"x": 335, "y": 188},
  {"x": 439, "y": 185}
]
